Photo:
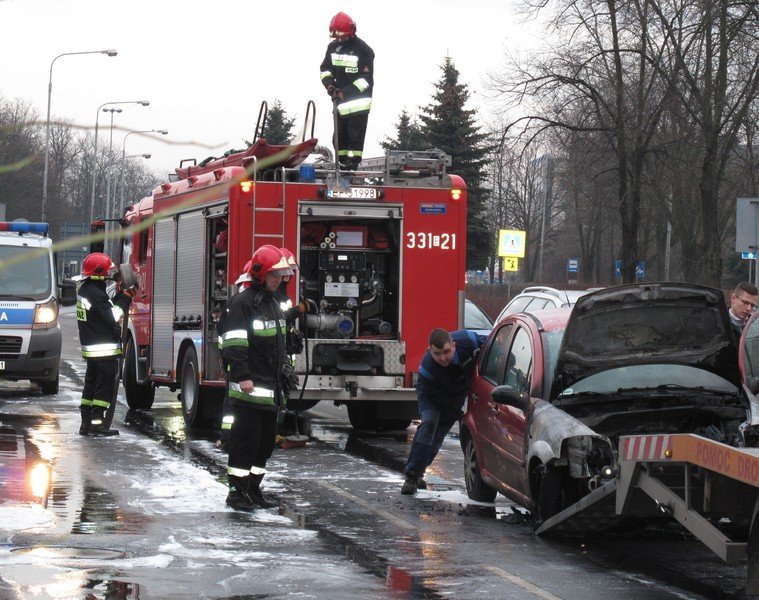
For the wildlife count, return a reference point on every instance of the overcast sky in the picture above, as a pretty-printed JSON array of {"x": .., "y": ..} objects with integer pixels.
[{"x": 206, "y": 66}]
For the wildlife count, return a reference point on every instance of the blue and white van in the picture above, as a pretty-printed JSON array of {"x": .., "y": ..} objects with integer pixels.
[{"x": 30, "y": 336}]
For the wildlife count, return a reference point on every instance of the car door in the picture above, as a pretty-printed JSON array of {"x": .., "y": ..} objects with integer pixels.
[
  {"x": 489, "y": 374},
  {"x": 508, "y": 422}
]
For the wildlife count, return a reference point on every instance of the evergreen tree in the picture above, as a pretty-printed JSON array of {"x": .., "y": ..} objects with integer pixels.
[
  {"x": 279, "y": 126},
  {"x": 449, "y": 126},
  {"x": 408, "y": 135}
]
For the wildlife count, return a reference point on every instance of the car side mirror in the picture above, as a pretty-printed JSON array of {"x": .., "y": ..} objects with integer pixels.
[
  {"x": 67, "y": 292},
  {"x": 505, "y": 394}
]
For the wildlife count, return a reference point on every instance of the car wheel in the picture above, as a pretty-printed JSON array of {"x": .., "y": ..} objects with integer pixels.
[
  {"x": 476, "y": 488},
  {"x": 138, "y": 395},
  {"x": 552, "y": 497}
]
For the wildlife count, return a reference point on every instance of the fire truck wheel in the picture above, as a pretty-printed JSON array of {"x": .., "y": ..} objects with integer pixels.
[
  {"x": 191, "y": 402},
  {"x": 138, "y": 395},
  {"x": 363, "y": 415},
  {"x": 476, "y": 488}
]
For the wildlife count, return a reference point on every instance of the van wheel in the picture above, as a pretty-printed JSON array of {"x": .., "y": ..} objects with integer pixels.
[
  {"x": 138, "y": 395},
  {"x": 476, "y": 488},
  {"x": 190, "y": 389},
  {"x": 50, "y": 387}
]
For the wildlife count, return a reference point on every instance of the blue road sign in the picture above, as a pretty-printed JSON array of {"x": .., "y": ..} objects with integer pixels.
[
  {"x": 573, "y": 265},
  {"x": 749, "y": 255}
]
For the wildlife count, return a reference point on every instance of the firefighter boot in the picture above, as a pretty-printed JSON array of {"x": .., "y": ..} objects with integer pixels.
[
  {"x": 411, "y": 484},
  {"x": 420, "y": 482},
  {"x": 97, "y": 424},
  {"x": 238, "y": 497},
  {"x": 256, "y": 495},
  {"x": 86, "y": 412}
]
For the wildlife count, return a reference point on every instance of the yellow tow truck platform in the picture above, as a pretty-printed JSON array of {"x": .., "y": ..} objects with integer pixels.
[{"x": 701, "y": 483}]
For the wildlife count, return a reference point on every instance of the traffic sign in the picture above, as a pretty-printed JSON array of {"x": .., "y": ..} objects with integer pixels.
[
  {"x": 749, "y": 255},
  {"x": 573, "y": 265},
  {"x": 512, "y": 242},
  {"x": 510, "y": 263}
]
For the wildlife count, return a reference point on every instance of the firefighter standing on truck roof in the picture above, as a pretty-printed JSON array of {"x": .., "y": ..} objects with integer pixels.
[
  {"x": 347, "y": 72},
  {"x": 253, "y": 347},
  {"x": 100, "y": 335}
]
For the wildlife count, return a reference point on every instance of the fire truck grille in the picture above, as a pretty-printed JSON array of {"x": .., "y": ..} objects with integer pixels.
[{"x": 10, "y": 344}]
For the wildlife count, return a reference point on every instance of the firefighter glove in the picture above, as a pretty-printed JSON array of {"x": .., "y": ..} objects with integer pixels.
[{"x": 294, "y": 342}]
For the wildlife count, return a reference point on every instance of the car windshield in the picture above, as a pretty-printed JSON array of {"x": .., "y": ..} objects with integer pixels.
[
  {"x": 474, "y": 318},
  {"x": 551, "y": 345},
  {"x": 24, "y": 272},
  {"x": 664, "y": 377}
]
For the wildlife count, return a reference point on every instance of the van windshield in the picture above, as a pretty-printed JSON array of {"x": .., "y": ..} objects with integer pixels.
[{"x": 24, "y": 272}]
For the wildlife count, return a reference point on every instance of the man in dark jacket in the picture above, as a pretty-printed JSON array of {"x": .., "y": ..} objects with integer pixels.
[
  {"x": 253, "y": 347},
  {"x": 445, "y": 374},
  {"x": 347, "y": 72},
  {"x": 100, "y": 335}
]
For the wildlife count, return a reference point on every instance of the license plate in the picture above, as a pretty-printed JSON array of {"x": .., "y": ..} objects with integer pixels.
[
  {"x": 2, "y": 365},
  {"x": 355, "y": 193}
]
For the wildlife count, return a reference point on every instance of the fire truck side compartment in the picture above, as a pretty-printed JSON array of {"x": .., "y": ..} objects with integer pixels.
[{"x": 162, "y": 354}]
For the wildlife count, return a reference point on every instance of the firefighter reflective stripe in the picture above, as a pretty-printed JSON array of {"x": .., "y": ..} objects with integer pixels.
[
  {"x": 86, "y": 402},
  {"x": 286, "y": 305},
  {"x": 235, "y": 337},
  {"x": 82, "y": 306},
  {"x": 345, "y": 60},
  {"x": 227, "y": 421},
  {"x": 325, "y": 74},
  {"x": 257, "y": 471},
  {"x": 118, "y": 314},
  {"x": 237, "y": 472},
  {"x": 268, "y": 328},
  {"x": 100, "y": 350},
  {"x": 101, "y": 403},
  {"x": 354, "y": 106},
  {"x": 259, "y": 395},
  {"x": 362, "y": 84}
]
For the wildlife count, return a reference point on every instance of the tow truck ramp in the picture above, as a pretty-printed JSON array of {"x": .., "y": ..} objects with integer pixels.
[{"x": 699, "y": 482}]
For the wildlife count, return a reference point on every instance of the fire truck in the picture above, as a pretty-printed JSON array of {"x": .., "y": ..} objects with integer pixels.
[{"x": 382, "y": 258}]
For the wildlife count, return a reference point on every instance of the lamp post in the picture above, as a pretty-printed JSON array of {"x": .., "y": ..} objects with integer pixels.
[
  {"x": 95, "y": 155},
  {"x": 47, "y": 122},
  {"x": 123, "y": 156},
  {"x": 110, "y": 163}
]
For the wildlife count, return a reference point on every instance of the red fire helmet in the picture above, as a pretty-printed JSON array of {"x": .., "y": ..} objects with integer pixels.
[
  {"x": 342, "y": 26},
  {"x": 268, "y": 259},
  {"x": 97, "y": 265}
]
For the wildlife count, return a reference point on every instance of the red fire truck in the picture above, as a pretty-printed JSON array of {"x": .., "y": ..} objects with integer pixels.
[{"x": 381, "y": 254}]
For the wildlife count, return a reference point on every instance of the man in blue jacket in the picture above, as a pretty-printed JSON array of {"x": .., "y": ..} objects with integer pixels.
[{"x": 445, "y": 374}]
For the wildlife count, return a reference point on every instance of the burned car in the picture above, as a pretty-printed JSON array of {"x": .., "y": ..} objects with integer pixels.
[{"x": 554, "y": 390}]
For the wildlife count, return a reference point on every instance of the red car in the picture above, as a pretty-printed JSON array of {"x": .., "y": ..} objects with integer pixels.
[{"x": 554, "y": 390}]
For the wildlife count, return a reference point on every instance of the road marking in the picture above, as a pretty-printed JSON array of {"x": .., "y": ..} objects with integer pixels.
[
  {"x": 525, "y": 585},
  {"x": 367, "y": 505}
]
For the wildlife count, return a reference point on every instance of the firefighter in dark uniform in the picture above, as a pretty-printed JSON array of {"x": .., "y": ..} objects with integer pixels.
[
  {"x": 253, "y": 346},
  {"x": 347, "y": 72},
  {"x": 100, "y": 336}
]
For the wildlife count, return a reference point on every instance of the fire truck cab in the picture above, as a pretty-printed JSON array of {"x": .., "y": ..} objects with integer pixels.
[{"x": 381, "y": 256}]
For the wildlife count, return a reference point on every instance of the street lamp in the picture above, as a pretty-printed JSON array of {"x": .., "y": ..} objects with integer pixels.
[
  {"x": 47, "y": 122},
  {"x": 95, "y": 157},
  {"x": 123, "y": 156}
]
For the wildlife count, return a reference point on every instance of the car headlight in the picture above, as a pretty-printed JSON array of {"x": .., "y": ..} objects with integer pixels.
[{"x": 45, "y": 314}]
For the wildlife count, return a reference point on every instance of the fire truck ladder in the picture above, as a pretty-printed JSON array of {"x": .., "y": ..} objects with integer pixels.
[
  {"x": 259, "y": 212},
  {"x": 697, "y": 481},
  {"x": 410, "y": 163}
]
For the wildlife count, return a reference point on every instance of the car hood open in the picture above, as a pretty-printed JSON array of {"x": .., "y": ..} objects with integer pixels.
[{"x": 655, "y": 323}]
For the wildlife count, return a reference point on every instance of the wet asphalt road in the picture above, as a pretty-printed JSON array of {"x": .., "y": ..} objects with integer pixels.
[{"x": 142, "y": 515}]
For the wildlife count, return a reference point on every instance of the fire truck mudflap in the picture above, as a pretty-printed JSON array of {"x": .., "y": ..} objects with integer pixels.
[{"x": 699, "y": 482}]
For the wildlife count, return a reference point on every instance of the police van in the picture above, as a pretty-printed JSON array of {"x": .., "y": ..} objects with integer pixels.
[{"x": 30, "y": 336}]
